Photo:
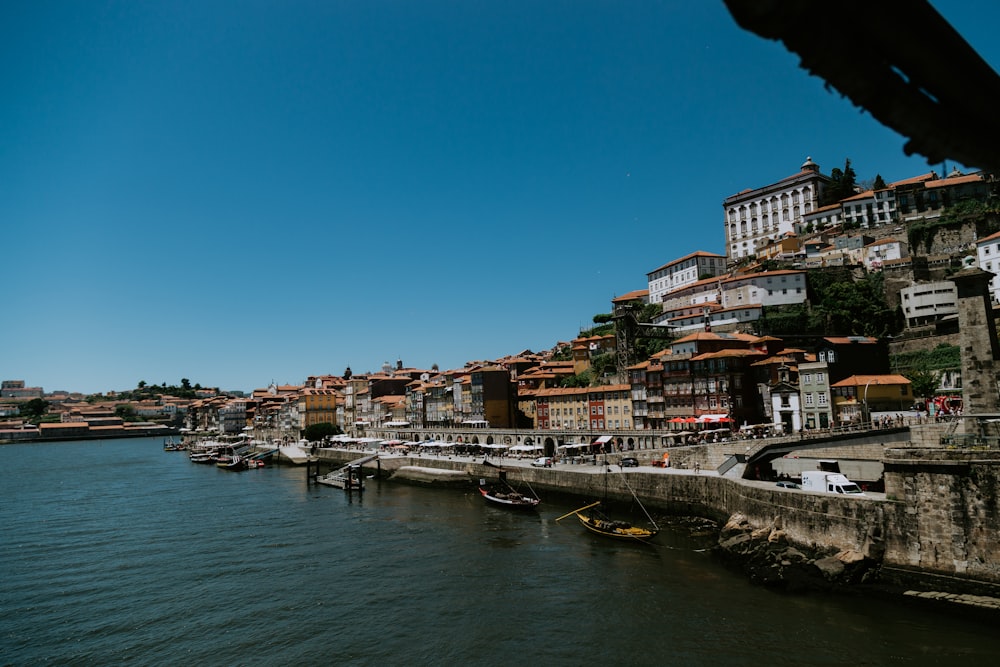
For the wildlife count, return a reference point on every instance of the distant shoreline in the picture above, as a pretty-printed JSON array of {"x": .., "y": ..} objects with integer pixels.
[{"x": 29, "y": 437}]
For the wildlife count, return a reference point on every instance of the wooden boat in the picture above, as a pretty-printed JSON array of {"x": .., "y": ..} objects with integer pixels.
[
  {"x": 508, "y": 497},
  {"x": 505, "y": 495},
  {"x": 234, "y": 462},
  {"x": 171, "y": 445},
  {"x": 230, "y": 459},
  {"x": 594, "y": 520},
  {"x": 202, "y": 455}
]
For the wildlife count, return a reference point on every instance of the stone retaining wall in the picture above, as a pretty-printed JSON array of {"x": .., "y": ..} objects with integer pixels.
[{"x": 940, "y": 515}]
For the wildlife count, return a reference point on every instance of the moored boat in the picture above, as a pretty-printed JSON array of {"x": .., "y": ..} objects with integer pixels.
[
  {"x": 596, "y": 521},
  {"x": 234, "y": 462},
  {"x": 203, "y": 456},
  {"x": 229, "y": 459},
  {"x": 171, "y": 445},
  {"x": 507, "y": 497},
  {"x": 502, "y": 493},
  {"x": 593, "y": 519}
]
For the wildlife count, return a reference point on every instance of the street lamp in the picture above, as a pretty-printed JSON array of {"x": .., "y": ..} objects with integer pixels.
[{"x": 867, "y": 413}]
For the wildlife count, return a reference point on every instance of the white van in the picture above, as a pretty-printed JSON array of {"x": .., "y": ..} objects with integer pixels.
[{"x": 829, "y": 482}]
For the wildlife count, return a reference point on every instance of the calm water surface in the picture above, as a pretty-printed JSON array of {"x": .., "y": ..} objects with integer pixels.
[{"x": 117, "y": 552}]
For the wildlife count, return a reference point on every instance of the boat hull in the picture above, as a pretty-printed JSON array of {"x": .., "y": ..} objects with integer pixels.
[
  {"x": 618, "y": 530},
  {"x": 508, "y": 500}
]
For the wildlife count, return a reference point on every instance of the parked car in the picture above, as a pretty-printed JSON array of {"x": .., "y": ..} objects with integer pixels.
[
  {"x": 542, "y": 462},
  {"x": 789, "y": 485},
  {"x": 630, "y": 462}
]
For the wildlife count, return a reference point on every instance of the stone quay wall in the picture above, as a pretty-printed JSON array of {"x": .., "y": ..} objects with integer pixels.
[
  {"x": 938, "y": 521},
  {"x": 946, "y": 506}
]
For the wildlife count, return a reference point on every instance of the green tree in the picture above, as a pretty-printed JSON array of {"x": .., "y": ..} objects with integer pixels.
[
  {"x": 841, "y": 185},
  {"x": 838, "y": 305},
  {"x": 924, "y": 383},
  {"x": 36, "y": 407},
  {"x": 879, "y": 184},
  {"x": 127, "y": 413},
  {"x": 584, "y": 379},
  {"x": 316, "y": 432}
]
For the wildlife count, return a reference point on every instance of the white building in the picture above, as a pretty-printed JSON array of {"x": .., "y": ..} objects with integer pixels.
[
  {"x": 233, "y": 416},
  {"x": 680, "y": 301},
  {"x": 988, "y": 257},
  {"x": 784, "y": 397},
  {"x": 926, "y": 303},
  {"x": 710, "y": 317},
  {"x": 821, "y": 218},
  {"x": 682, "y": 272},
  {"x": 755, "y": 217},
  {"x": 877, "y": 253},
  {"x": 771, "y": 288}
]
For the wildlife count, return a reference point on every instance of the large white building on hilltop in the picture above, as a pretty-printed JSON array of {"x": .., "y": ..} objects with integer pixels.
[{"x": 754, "y": 218}]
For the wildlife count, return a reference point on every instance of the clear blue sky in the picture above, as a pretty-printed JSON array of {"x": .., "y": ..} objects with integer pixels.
[{"x": 240, "y": 192}]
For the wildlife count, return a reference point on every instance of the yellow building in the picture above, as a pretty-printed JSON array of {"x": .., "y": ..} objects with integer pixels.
[
  {"x": 561, "y": 408},
  {"x": 857, "y": 398},
  {"x": 610, "y": 407},
  {"x": 317, "y": 406}
]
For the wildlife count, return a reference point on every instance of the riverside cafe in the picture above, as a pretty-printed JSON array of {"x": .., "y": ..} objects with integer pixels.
[{"x": 700, "y": 429}]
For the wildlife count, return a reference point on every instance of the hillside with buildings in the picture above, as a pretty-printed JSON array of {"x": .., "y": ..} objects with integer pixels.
[{"x": 716, "y": 356}]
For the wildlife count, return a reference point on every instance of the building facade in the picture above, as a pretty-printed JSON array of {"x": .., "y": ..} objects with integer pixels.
[
  {"x": 814, "y": 386},
  {"x": 683, "y": 272},
  {"x": 926, "y": 303},
  {"x": 753, "y": 218}
]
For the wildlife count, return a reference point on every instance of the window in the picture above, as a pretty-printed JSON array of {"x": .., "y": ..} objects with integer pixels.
[
  {"x": 808, "y": 399},
  {"x": 821, "y": 398}
]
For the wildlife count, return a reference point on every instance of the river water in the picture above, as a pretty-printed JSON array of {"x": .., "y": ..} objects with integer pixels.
[{"x": 116, "y": 552}]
